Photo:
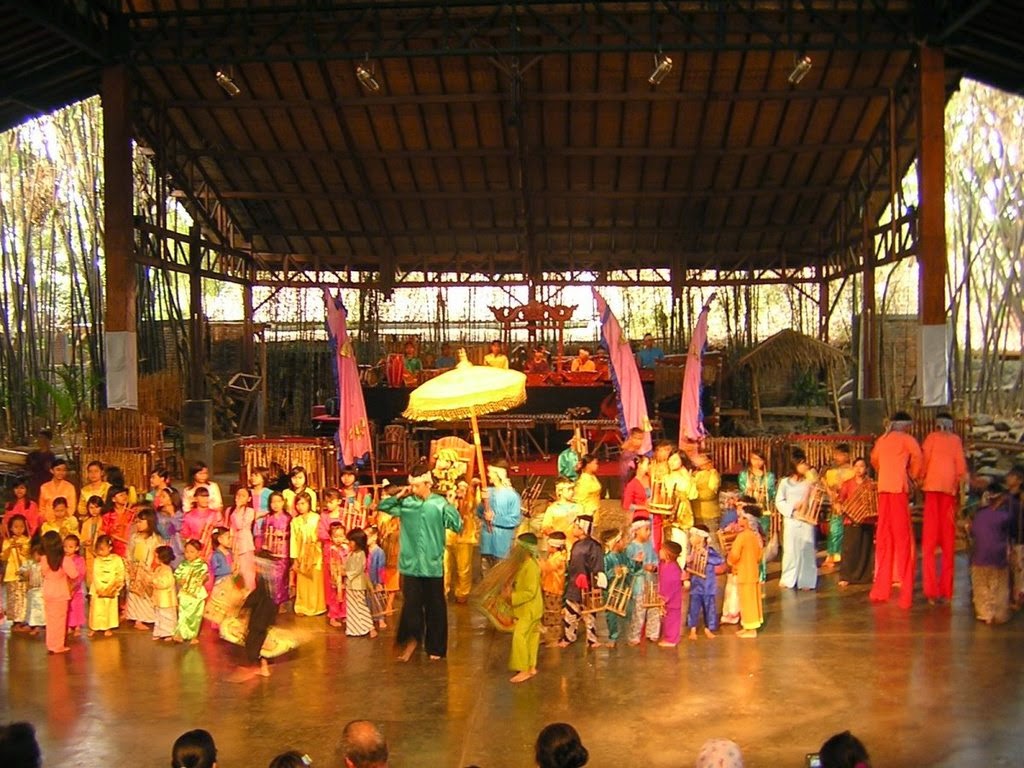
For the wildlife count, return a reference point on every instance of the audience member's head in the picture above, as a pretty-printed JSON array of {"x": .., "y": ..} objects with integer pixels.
[
  {"x": 291, "y": 759},
  {"x": 363, "y": 745},
  {"x": 559, "y": 746},
  {"x": 720, "y": 753},
  {"x": 18, "y": 747},
  {"x": 194, "y": 749},
  {"x": 844, "y": 750}
]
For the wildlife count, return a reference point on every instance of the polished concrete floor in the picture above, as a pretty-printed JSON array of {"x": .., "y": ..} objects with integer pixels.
[{"x": 932, "y": 687}]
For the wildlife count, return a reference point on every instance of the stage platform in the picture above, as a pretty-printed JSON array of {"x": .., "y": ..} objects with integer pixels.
[{"x": 932, "y": 687}]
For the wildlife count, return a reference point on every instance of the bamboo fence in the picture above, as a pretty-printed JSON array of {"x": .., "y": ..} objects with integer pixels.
[{"x": 317, "y": 455}]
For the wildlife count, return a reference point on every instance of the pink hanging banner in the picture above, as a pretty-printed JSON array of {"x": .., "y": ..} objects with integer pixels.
[
  {"x": 691, "y": 418},
  {"x": 625, "y": 375},
  {"x": 353, "y": 436}
]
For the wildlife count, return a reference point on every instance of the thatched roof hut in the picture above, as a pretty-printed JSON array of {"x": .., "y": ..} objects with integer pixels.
[{"x": 790, "y": 350}]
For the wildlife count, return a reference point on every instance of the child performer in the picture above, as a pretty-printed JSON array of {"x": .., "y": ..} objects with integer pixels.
[
  {"x": 307, "y": 559},
  {"x": 191, "y": 578},
  {"x": 95, "y": 485},
  {"x": 108, "y": 577},
  {"x": 745, "y": 561},
  {"x": 990, "y": 576},
  {"x": 641, "y": 551},
  {"x": 199, "y": 475},
  {"x": 297, "y": 485},
  {"x": 583, "y": 571},
  {"x": 335, "y": 554},
  {"x": 90, "y": 529},
  {"x": 221, "y": 564},
  {"x": 159, "y": 480},
  {"x": 76, "y": 608},
  {"x": 358, "y": 622},
  {"x": 241, "y": 519},
  {"x": 118, "y": 517},
  {"x": 670, "y": 587},
  {"x": 57, "y": 571},
  {"x": 165, "y": 598},
  {"x": 703, "y": 584},
  {"x": 253, "y": 630},
  {"x": 527, "y": 608},
  {"x": 140, "y": 561},
  {"x": 24, "y": 506},
  {"x": 259, "y": 492},
  {"x": 14, "y": 554},
  {"x": 62, "y": 522},
  {"x": 32, "y": 573},
  {"x": 616, "y": 563},
  {"x": 552, "y": 582},
  {"x": 562, "y": 512},
  {"x": 375, "y": 567},
  {"x": 273, "y": 534},
  {"x": 199, "y": 521},
  {"x": 354, "y": 498},
  {"x": 169, "y": 519}
]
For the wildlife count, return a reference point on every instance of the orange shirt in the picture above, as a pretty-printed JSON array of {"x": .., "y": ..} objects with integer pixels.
[
  {"x": 896, "y": 458},
  {"x": 745, "y": 557},
  {"x": 943, "y": 466},
  {"x": 53, "y": 489}
]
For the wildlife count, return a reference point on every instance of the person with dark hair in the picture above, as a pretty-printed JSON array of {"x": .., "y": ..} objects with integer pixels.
[
  {"x": 24, "y": 506},
  {"x": 194, "y": 749},
  {"x": 159, "y": 480},
  {"x": 648, "y": 355},
  {"x": 584, "y": 570},
  {"x": 57, "y": 488},
  {"x": 837, "y": 474},
  {"x": 587, "y": 492},
  {"x": 190, "y": 576},
  {"x": 76, "y": 587},
  {"x": 118, "y": 519},
  {"x": 18, "y": 746},
  {"x": 298, "y": 482},
  {"x": 307, "y": 559},
  {"x": 291, "y": 759},
  {"x": 424, "y": 517},
  {"x": 140, "y": 564},
  {"x": 992, "y": 529},
  {"x": 844, "y": 750},
  {"x": 32, "y": 573},
  {"x": 559, "y": 746},
  {"x": 358, "y": 621},
  {"x": 745, "y": 560},
  {"x": 943, "y": 472},
  {"x": 500, "y": 513},
  {"x": 108, "y": 577},
  {"x": 582, "y": 362},
  {"x": 169, "y": 519},
  {"x": 253, "y": 629},
  {"x": 95, "y": 485},
  {"x": 14, "y": 553},
  {"x": 858, "y": 563},
  {"x": 61, "y": 520},
  {"x": 799, "y": 570},
  {"x": 704, "y": 500},
  {"x": 527, "y": 608},
  {"x": 165, "y": 599},
  {"x": 57, "y": 572},
  {"x": 199, "y": 477},
  {"x": 89, "y": 529},
  {"x": 1014, "y": 481},
  {"x": 896, "y": 457},
  {"x": 496, "y": 358},
  {"x": 363, "y": 745},
  {"x": 703, "y": 564},
  {"x": 38, "y": 463}
]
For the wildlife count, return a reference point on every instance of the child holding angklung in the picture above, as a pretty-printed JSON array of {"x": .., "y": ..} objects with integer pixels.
[
  {"x": 745, "y": 558},
  {"x": 57, "y": 571},
  {"x": 702, "y": 582},
  {"x": 641, "y": 552},
  {"x": 297, "y": 486},
  {"x": 190, "y": 576},
  {"x": 670, "y": 587},
  {"x": 108, "y": 577},
  {"x": 358, "y": 622},
  {"x": 336, "y": 552},
  {"x": 307, "y": 559},
  {"x": 140, "y": 562},
  {"x": 527, "y": 608},
  {"x": 616, "y": 563},
  {"x": 90, "y": 529},
  {"x": 14, "y": 553},
  {"x": 375, "y": 568},
  {"x": 32, "y": 573},
  {"x": 62, "y": 522},
  {"x": 165, "y": 597},
  {"x": 552, "y": 583},
  {"x": 76, "y": 586},
  {"x": 273, "y": 537}
]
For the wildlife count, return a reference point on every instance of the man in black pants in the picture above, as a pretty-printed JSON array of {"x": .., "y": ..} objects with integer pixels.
[{"x": 423, "y": 516}]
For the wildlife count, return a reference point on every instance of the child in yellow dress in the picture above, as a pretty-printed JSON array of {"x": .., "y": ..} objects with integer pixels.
[{"x": 108, "y": 577}]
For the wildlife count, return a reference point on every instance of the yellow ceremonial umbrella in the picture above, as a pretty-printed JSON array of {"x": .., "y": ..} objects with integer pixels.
[{"x": 467, "y": 391}]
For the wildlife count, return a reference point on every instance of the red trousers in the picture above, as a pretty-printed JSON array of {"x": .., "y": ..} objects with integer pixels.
[
  {"x": 939, "y": 532},
  {"x": 894, "y": 549}
]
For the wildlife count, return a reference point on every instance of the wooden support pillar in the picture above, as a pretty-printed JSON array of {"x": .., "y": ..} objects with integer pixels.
[
  {"x": 120, "y": 283},
  {"x": 869, "y": 331},
  {"x": 823, "y": 300},
  {"x": 932, "y": 257},
  {"x": 197, "y": 345},
  {"x": 248, "y": 340}
]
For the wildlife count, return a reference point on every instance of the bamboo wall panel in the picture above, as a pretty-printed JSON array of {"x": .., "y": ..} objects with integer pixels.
[{"x": 317, "y": 456}]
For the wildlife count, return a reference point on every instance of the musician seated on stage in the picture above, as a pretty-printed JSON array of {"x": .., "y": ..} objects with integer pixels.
[
  {"x": 539, "y": 362},
  {"x": 446, "y": 359},
  {"x": 582, "y": 361},
  {"x": 496, "y": 358},
  {"x": 649, "y": 355},
  {"x": 412, "y": 362}
]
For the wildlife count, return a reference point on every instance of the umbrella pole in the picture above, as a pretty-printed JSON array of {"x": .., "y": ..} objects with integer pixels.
[{"x": 480, "y": 461}]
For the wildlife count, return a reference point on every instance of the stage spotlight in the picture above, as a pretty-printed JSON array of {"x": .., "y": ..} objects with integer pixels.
[
  {"x": 801, "y": 66},
  {"x": 662, "y": 66},
  {"x": 366, "y": 76},
  {"x": 224, "y": 81}
]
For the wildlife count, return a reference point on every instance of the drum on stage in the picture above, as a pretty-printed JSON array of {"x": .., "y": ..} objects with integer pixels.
[{"x": 395, "y": 368}]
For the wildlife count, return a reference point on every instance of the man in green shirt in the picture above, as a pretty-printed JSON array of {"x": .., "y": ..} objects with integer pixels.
[{"x": 424, "y": 517}]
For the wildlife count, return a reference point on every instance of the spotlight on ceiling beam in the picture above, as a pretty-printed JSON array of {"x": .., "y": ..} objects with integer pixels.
[
  {"x": 367, "y": 77},
  {"x": 662, "y": 66},
  {"x": 227, "y": 84},
  {"x": 801, "y": 66}
]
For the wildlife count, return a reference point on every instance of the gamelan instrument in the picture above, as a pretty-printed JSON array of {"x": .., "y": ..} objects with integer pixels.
[{"x": 862, "y": 506}]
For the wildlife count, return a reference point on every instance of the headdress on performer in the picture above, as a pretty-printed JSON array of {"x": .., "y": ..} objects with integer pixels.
[
  {"x": 562, "y": 482},
  {"x": 944, "y": 421},
  {"x": 528, "y": 541},
  {"x": 586, "y": 522},
  {"x": 493, "y": 595},
  {"x": 556, "y": 540},
  {"x": 639, "y": 521},
  {"x": 674, "y": 548},
  {"x": 901, "y": 421},
  {"x": 500, "y": 469},
  {"x": 700, "y": 532},
  {"x": 610, "y": 537},
  {"x": 420, "y": 474}
]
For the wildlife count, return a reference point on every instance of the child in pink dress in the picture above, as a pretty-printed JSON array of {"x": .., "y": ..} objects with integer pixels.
[
  {"x": 241, "y": 518},
  {"x": 57, "y": 571},
  {"x": 76, "y": 608}
]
